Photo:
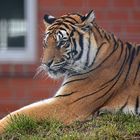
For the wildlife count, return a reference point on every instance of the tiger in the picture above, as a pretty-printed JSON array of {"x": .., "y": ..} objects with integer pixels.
[{"x": 100, "y": 71}]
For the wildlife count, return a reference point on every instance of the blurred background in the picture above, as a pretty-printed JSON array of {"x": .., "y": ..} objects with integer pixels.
[{"x": 21, "y": 32}]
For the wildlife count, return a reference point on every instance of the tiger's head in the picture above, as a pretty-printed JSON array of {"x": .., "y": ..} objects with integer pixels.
[{"x": 69, "y": 45}]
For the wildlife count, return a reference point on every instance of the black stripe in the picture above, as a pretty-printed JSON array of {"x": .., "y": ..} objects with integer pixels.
[
  {"x": 61, "y": 28},
  {"x": 130, "y": 59},
  {"x": 97, "y": 53},
  {"x": 98, "y": 30},
  {"x": 68, "y": 17},
  {"x": 137, "y": 105},
  {"x": 75, "y": 80},
  {"x": 72, "y": 33},
  {"x": 73, "y": 19},
  {"x": 89, "y": 94},
  {"x": 138, "y": 50},
  {"x": 121, "y": 45},
  {"x": 138, "y": 68},
  {"x": 66, "y": 25},
  {"x": 54, "y": 25},
  {"x": 115, "y": 41},
  {"x": 81, "y": 17},
  {"x": 106, "y": 36},
  {"x": 129, "y": 47},
  {"x": 125, "y": 104},
  {"x": 58, "y": 21},
  {"x": 120, "y": 70},
  {"x": 60, "y": 33},
  {"x": 87, "y": 59},
  {"x": 65, "y": 95},
  {"x": 74, "y": 44},
  {"x": 69, "y": 22},
  {"x": 81, "y": 46}
]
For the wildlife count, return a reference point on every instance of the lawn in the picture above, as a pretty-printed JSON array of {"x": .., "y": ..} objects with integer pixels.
[{"x": 105, "y": 127}]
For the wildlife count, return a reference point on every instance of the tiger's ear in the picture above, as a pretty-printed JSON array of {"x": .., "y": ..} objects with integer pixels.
[
  {"x": 90, "y": 17},
  {"x": 88, "y": 21},
  {"x": 48, "y": 20}
]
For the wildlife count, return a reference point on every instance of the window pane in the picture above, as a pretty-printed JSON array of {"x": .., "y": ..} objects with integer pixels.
[{"x": 12, "y": 24}]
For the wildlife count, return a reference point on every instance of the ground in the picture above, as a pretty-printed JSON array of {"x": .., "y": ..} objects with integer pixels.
[{"x": 105, "y": 127}]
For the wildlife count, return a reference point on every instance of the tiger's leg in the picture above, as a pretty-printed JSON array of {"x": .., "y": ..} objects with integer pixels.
[{"x": 49, "y": 108}]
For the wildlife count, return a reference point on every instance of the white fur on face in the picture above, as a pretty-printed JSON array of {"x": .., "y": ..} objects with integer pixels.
[
  {"x": 88, "y": 52},
  {"x": 61, "y": 35}
]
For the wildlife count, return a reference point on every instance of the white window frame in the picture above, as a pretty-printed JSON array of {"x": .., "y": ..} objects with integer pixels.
[{"x": 28, "y": 54}]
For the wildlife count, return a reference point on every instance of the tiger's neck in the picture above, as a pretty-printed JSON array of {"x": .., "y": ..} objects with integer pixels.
[{"x": 105, "y": 63}]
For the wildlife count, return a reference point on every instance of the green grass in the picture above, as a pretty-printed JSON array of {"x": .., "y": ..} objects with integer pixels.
[{"x": 105, "y": 127}]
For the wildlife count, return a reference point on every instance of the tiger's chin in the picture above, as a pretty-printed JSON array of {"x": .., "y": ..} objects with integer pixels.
[{"x": 56, "y": 74}]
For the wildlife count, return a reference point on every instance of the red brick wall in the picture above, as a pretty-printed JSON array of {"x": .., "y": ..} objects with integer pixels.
[
  {"x": 16, "y": 85},
  {"x": 19, "y": 91}
]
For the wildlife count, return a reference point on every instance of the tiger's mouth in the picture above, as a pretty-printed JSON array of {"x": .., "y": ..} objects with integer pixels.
[
  {"x": 43, "y": 72},
  {"x": 60, "y": 70},
  {"x": 57, "y": 72}
]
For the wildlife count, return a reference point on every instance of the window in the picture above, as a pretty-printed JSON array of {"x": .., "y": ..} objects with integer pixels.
[{"x": 17, "y": 31}]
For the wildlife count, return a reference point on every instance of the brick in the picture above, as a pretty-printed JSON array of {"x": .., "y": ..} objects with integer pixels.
[
  {"x": 137, "y": 3},
  {"x": 32, "y": 68},
  {"x": 100, "y": 15},
  {"x": 117, "y": 15},
  {"x": 133, "y": 28},
  {"x": 118, "y": 28},
  {"x": 6, "y": 94},
  {"x": 16, "y": 69},
  {"x": 136, "y": 16},
  {"x": 20, "y": 82},
  {"x": 5, "y": 68},
  {"x": 72, "y": 3},
  {"x": 63, "y": 12},
  {"x": 106, "y": 25},
  {"x": 4, "y": 82},
  {"x": 49, "y": 4},
  {"x": 19, "y": 68},
  {"x": 133, "y": 38},
  {"x": 98, "y": 3},
  {"x": 47, "y": 83},
  {"x": 40, "y": 93},
  {"x": 21, "y": 93},
  {"x": 123, "y": 3},
  {"x": 7, "y": 108}
]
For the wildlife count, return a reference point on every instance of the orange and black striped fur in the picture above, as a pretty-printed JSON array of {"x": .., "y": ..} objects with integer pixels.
[{"x": 101, "y": 72}]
